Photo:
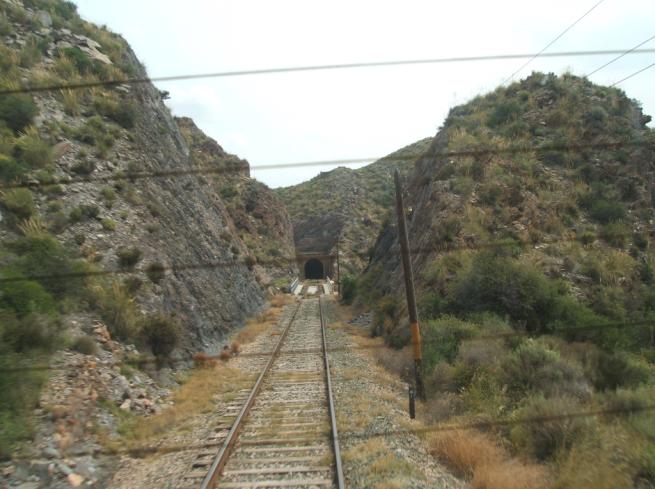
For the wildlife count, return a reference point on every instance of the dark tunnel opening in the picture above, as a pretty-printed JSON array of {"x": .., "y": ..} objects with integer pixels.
[{"x": 314, "y": 269}]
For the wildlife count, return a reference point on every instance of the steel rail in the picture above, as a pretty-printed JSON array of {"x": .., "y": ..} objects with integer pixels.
[
  {"x": 333, "y": 419},
  {"x": 210, "y": 480}
]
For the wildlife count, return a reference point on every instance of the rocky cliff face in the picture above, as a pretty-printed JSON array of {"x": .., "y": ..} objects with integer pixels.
[
  {"x": 199, "y": 236},
  {"x": 260, "y": 218},
  {"x": 345, "y": 203}
]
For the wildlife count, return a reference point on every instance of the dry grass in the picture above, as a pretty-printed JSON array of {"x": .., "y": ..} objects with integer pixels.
[
  {"x": 281, "y": 300},
  {"x": 196, "y": 396},
  {"x": 397, "y": 362},
  {"x": 510, "y": 474},
  {"x": 383, "y": 468},
  {"x": 466, "y": 450},
  {"x": 478, "y": 457},
  {"x": 262, "y": 322},
  {"x": 202, "y": 360}
]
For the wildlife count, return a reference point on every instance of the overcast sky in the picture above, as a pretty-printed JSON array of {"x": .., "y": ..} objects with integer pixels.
[{"x": 328, "y": 115}]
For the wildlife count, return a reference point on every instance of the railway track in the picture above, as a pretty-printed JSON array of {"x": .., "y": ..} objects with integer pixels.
[{"x": 285, "y": 433}]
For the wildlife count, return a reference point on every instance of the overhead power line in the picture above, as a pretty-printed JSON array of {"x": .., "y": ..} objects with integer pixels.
[
  {"x": 619, "y": 56},
  {"x": 632, "y": 75},
  {"x": 328, "y": 67},
  {"x": 541, "y": 53}
]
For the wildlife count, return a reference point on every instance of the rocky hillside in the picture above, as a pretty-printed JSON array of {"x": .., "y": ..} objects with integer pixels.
[
  {"x": 90, "y": 230},
  {"x": 352, "y": 204},
  {"x": 582, "y": 216},
  {"x": 534, "y": 270},
  {"x": 260, "y": 218}
]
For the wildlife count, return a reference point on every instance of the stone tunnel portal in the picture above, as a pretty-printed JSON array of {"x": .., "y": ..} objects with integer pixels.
[
  {"x": 315, "y": 266},
  {"x": 314, "y": 269}
]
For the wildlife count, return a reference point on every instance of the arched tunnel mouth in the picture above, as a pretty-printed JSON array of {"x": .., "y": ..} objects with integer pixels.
[{"x": 314, "y": 269}]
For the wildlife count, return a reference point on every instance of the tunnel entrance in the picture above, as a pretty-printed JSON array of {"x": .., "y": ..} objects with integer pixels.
[{"x": 314, "y": 269}]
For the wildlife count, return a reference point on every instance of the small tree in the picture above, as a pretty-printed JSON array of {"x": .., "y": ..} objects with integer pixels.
[
  {"x": 161, "y": 334},
  {"x": 17, "y": 111}
]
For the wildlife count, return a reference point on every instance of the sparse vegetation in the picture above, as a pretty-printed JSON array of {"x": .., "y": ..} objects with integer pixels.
[
  {"x": 535, "y": 326},
  {"x": 108, "y": 224},
  {"x": 17, "y": 111},
  {"x": 18, "y": 201},
  {"x": 160, "y": 334},
  {"x": 156, "y": 272},
  {"x": 129, "y": 256}
]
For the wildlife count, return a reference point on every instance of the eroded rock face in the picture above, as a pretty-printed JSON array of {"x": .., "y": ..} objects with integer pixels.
[
  {"x": 180, "y": 222},
  {"x": 259, "y": 216}
]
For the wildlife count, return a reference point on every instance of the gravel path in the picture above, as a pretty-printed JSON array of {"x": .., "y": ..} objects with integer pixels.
[{"x": 371, "y": 401}]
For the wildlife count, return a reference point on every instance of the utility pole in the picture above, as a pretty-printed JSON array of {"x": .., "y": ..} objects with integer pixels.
[
  {"x": 409, "y": 289},
  {"x": 338, "y": 270}
]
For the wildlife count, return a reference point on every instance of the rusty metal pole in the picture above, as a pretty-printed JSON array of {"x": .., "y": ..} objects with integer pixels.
[
  {"x": 409, "y": 289},
  {"x": 338, "y": 271}
]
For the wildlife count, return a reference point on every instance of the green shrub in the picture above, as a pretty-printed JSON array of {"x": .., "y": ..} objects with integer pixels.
[
  {"x": 82, "y": 62},
  {"x": 33, "y": 151},
  {"x": 109, "y": 194},
  {"x": 84, "y": 166},
  {"x": 85, "y": 345},
  {"x": 161, "y": 334},
  {"x": 122, "y": 111},
  {"x": 442, "y": 337},
  {"x": 75, "y": 214},
  {"x": 84, "y": 211},
  {"x": 535, "y": 368},
  {"x": 19, "y": 201},
  {"x": 24, "y": 297},
  {"x": 544, "y": 433},
  {"x": 156, "y": 272},
  {"x": 65, "y": 9},
  {"x": 587, "y": 238},
  {"x": 504, "y": 112},
  {"x": 640, "y": 240},
  {"x": 32, "y": 332},
  {"x": 615, "y": 234},
  {"x": 17, "y": 111},
  {"x": 57, "y": 222},
  {"x": 5, "y": 26},
  {"x": 507, "y": 287},
  {"x": 10, "y": 170},
  {"x": 43, "y": 257},
  {"x": 31, "y": 53},
  {"x": 97, "y": 133},
  {"x": 108, "y": 224},
  {"x": 128, "y": 256},
  {"x": 132, "y": 284},
  {"x": 605, "y": 211},
  {"x": 628, "y": 401},
  {"x": 619, "y": 369},
  {"x": 228, "y": 192},
  {"x": 431, "y": 305},
  {"x": 348, "y": 289},
  {"x": 118, "y": 310},
  {"x": 490, "y": 193}
]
